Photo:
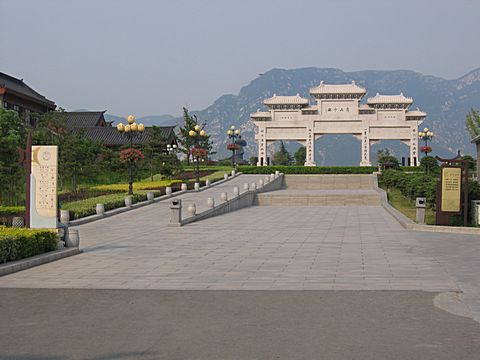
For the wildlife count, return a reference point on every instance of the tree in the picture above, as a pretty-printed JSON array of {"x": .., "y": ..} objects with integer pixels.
[
  {"x": 472, "y": 122},
  {"x": 154, "y": 150},
  {"x": 78, "y": 156},
  {"x": 300, "y": 156},
  {"x": 386, "y": 160},
  {"x": 12, "y": 136},
  {"x": 430, "y": 165},
  {"x": 282, "y": 156},
  {"x": 187, "y": 142},
  {"x": 253, "y": 160}
]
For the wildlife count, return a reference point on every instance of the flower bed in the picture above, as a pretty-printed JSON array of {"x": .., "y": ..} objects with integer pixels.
[{"x": 16, "y": 244}]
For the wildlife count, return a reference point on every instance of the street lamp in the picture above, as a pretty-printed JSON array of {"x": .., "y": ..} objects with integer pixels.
[
  {"x": 131, "y": 131},
  {"x": 425, "y": 135},
  {"x": 197, "y": 134},
  {"x": 233, "y": 134}
]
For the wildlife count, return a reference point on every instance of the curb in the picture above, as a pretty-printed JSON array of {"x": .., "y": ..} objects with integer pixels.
[
  {"x": 36, "y": 260},
  {"x": 91, "y": 218}
]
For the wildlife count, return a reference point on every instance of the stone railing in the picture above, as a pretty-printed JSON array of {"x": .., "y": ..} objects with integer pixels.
[{"x": 224, "y": 205}]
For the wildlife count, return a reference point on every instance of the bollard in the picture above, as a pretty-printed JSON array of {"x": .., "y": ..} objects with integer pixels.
[
  {"x": 192, "y": 209},
  {"x": 128, "y": 200},
  {"x": 236, "y": 190},
  {"x": 176, "y": 212},
  {"x": 210, "y": 202},
  {"x": 272, "y": 177},
  {"x": 277, "y": 174},
  {"x": 245, "y": 186},
  {"x": 150, "y": 196},
  {"x": 207, "y": 183},
  {"x": 183, "y": 187},
  {"x": 267, "y": 179},
  {"x": 224, "y": 196},
  {"x": 253, "y": 186},
  {"x": 420, "y": 203},
  {"x": 196, "y": 186},
  {"x": 72, "y": 238},
  {"x": 168, "y": 190},
  {"x": 233, "y": 172},
  {"x": 260, "y": 183},
  {"x": 225, "y": 176},
  {"x": 64, "y": 216},
  {"x": 99, "y": 209}
]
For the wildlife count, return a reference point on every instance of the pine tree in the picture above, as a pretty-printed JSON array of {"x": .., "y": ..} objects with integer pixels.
[{"x": 282, "y": 156}]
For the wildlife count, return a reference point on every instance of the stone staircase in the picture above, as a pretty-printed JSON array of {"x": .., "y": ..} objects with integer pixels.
[{"x": 324, "y": 190}]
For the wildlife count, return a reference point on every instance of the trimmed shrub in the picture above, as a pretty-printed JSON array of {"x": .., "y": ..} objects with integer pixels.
[
  {"x": 308, "y": 169},
  {"x": 16, "y": 244},
  {"x": 12, "y": 210},
  {"x": 411, "y": 185},
  {"x": 143, "y": 185}
]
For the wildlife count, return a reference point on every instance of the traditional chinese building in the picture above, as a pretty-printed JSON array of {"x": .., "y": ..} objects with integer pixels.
[
  {"x": 18, "y": 96},
  {"x": 92, "y": 124},
  {"x": 337, "y": 110}
]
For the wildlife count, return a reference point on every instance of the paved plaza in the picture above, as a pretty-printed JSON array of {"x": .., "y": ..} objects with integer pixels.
[{"x": 282, "y": 252}]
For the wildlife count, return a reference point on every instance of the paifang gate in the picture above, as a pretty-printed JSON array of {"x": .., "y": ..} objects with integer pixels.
[{"x": 337, "y": 110}]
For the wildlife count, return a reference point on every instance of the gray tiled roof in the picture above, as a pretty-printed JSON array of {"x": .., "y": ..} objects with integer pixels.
[
  {"x": 110, "y": 136},
  {"x": 18, "y": 86},
  {"x": 83, "y": 119}
]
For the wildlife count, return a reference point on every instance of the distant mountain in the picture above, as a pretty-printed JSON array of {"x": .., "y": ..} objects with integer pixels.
[{"x": 445, "y": 101}]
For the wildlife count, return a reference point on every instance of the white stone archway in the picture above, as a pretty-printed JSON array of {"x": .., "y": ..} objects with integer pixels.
[{"x": 337, "y": 110}]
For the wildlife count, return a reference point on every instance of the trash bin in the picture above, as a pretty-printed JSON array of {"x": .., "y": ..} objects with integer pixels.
[{"x": 420, "y": 204}]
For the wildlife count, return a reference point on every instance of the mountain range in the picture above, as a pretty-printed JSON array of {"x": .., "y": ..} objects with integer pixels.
[{"x": 445, "y": 101}]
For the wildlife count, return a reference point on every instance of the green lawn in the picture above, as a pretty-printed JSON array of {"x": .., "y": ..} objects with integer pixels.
[{"x": 407, "y": 206}]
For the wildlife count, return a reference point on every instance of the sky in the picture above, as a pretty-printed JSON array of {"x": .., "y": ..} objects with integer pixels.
[{"x": 147, "y": 57}]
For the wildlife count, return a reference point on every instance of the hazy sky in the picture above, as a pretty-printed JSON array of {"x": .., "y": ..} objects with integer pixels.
[{"x": 153, "y": 57}]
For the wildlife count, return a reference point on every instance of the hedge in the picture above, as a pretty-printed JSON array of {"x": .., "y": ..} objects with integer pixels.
[
  {"x": 11, "y": 210},
  {"x": 87, "y": 207},
  {"x": 308, "y": 169},
  {"x": 143, "y": 185},
  {"x": 411, "y": 185},
  {"x": 16, "y": 244}
]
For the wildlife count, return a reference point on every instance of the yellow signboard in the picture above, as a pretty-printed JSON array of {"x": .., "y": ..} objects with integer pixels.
[
  {"x": 43, "y": 212},
  {"x": 451, "y": 189}
]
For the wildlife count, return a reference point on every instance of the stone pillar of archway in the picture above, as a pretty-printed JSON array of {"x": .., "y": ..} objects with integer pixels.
[
  {"x": 365, "y": 137},
  {"x": 262, "y": 146},
  {"x": 310, "y": 148}
]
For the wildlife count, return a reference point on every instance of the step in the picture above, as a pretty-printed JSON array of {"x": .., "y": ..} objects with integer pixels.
[
  {"x": 296, "y": 198},
  {"x": 329, "y": 181}
]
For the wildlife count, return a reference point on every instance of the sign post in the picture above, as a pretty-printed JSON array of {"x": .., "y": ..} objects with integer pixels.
[
  {"x": 449, "y": 190},
  {"x": 43, "y": 187}
]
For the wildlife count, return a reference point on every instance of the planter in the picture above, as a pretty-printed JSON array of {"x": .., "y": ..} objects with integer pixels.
[
  {"x": 184, "y": 187},
  {"x": 72, "y": 239},
  {"x": 210, "y": 203},
  {"x": 64, "y": 216},
  {"x": 128, "y": 200},
  {"x": 100, "y": 209},
  {"x": 191, "y": 209},
  {"x": 150, "y": 196},
  {"x": 168, "y": 190},
  {"x": 18, "y": 222}
]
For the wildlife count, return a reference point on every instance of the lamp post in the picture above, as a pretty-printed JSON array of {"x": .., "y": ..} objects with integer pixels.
[
  {"x": 196, "y": 135},
  {"x": 233, "y": 134},
  {"x": 131, "y": 131},
  {"x": 426, "y": 135}
]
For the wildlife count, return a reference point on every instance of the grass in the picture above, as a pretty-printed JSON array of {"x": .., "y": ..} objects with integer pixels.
[{"x": 407, "y": 206}]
